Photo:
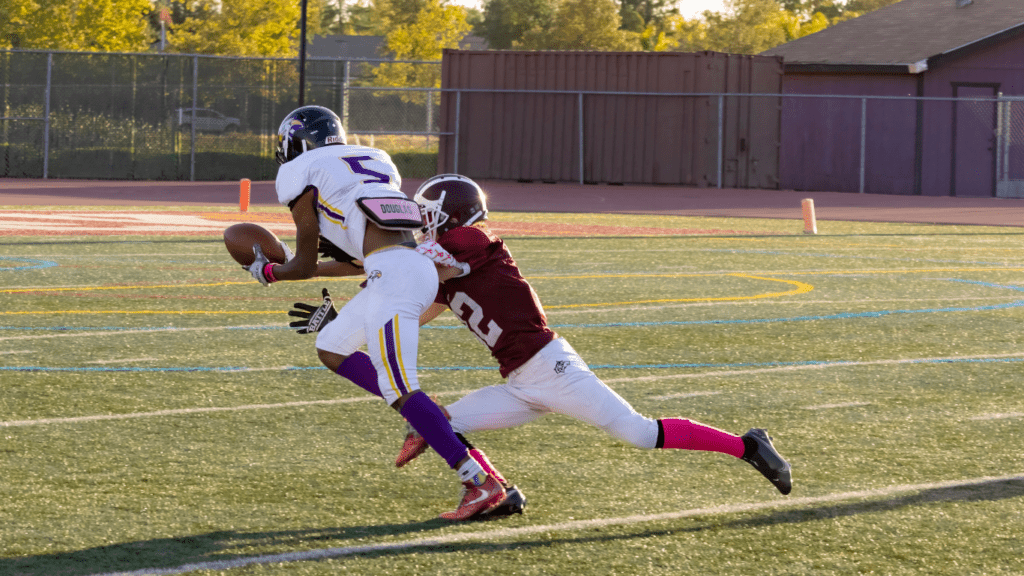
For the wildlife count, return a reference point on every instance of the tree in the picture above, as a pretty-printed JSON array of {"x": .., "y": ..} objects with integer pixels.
[
  {"x": 747, "y": 27},
  {"x": 752, "y": 26},
  {"x": 584, "y": 25},
  {"x": 865, "y": 6},
  {"x": 656, "y": 12},
  {"x": 806, "y": 9},
  {"x": 505, "y": 22},
  {"x": 422, "y": 35},
  {"x": 93, "y": 26},
  {"x": 361, "y": 19},
  {"x": 691, "y": 35},
  {"x": 243, "y": 27}
]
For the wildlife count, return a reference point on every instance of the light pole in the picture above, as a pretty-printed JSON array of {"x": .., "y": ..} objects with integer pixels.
[{"x": 302, "y": 57}]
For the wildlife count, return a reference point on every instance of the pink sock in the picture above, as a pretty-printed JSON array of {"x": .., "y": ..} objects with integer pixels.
[
  {"x": 687, "y": 435},
  {"x": 485, "y": 463}
]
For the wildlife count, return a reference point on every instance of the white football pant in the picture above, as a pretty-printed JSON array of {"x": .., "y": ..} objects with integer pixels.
[
  {"x": 385, "y": 316},
  {"x": 555, "y": 380}
]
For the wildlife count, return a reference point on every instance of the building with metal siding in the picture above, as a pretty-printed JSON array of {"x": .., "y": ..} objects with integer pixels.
[
  {"x": 635, "y": 126},
  {"x": 913, "y": 58}
]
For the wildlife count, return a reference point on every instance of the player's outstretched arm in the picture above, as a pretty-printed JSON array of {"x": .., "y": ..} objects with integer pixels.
[{"x": 307, "y": 237}]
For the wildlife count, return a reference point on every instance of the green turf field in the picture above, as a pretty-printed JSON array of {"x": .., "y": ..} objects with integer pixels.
[{"x": 158, "y": 417}]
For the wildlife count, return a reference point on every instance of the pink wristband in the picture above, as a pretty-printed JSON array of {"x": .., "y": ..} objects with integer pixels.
[{"x": 268, "y": 272}]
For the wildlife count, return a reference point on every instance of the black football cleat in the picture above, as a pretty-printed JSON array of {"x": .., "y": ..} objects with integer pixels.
[
  {"x": 514, "y": 503},
  {"x": 767, "y": 460}
]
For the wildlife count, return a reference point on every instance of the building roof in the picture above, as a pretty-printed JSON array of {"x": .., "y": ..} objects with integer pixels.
[
  {"x": 906, "y": 36},
  {"x": 345, "y": 46}
]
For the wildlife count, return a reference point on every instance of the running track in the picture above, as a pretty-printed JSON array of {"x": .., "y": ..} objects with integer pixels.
[{"x": 506, "y": 196}]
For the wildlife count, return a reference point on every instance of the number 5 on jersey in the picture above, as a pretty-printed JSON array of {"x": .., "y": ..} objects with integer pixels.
[{"x": 355, "y": 164}]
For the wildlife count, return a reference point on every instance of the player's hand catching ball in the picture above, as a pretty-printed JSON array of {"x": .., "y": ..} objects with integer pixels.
[{"x": 261, "y": 267}]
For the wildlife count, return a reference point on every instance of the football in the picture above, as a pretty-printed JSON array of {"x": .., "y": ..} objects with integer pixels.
[{"x": 239, "y": 239}]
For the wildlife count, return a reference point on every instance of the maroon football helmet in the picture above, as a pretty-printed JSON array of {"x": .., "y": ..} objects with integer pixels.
[{"x": 449, "y": 201}]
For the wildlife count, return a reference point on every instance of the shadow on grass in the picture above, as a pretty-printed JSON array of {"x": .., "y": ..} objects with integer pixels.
[{"x": 172, "y": 555}]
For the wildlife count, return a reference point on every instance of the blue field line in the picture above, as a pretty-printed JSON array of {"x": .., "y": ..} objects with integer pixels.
[
  {"x": 32, "y": 263},
  {"x": 988, "y": 284},
  {"x": 736, "y": 365}
]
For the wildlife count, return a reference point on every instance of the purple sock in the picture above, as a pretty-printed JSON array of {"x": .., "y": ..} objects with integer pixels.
[
  {"x": 427, "y": 419},
  {"x": 359, "y": 369}
]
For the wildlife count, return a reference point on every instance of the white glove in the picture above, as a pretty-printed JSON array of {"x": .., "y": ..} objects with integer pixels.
[
  {"x": 258, "y": 268},
  {"x": 439, "y": 255}
]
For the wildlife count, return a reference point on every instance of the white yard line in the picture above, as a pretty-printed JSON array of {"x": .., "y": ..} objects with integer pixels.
[
  {"x": 684, "y": 395},
  {"x": 58, "y": 334},
  {"x": 485, "y": 535},
  {"x": 999, "y": 416},
  {"x": 204, "y": 410},
  {"x": 820, "y": 366},
  {"x": 122, "y": 360},
  {"x": 843, "y": 405}
]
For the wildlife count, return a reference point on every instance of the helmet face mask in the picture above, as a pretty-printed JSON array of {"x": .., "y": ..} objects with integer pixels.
[
  {"x": 448, "y": 201},
  {"x": 307, "y": 128}
]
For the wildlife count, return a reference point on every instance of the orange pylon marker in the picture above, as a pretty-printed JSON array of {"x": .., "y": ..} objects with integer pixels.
[
  {"x": 243, "y": 194},
  {"x": 810, "y": 224}
]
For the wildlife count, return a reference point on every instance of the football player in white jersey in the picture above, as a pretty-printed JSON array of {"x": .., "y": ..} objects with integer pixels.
[
  {"x": 544, "y": 373},
  {"x": 350, "y": 195}
]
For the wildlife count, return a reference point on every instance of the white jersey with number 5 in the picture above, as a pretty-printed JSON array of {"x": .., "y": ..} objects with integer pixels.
[{"x": 340, "y": 174}]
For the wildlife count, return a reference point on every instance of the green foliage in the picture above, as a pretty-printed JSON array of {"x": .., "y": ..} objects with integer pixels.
[
  {"x": 752, "y": 26},
  {"x": 506, "y": 22},
  {"x": 93, "y": 26},
  {"x": 241, "y": 28},
  {"x": 864, "y": 6},
  {"x": 632, "y": 21},
  {"x": 756, "y": 25},
  {"x": 651, "y": 12},
  {"x": 420, "y": 35},
  {"x": 584, "y": 25}
]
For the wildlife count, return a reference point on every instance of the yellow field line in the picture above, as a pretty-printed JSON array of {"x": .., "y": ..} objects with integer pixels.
[
  {"x": 801, "y": 288},
  {"x": 915, "y": 271},
  {"x": 148, "y": 287},
  {"x": 42, "y": 312}
]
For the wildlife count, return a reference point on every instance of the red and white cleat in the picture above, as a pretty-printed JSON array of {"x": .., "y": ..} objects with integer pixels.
[
  {"x": 413, "y": 446},
  {"x": 477, "y": 499}
]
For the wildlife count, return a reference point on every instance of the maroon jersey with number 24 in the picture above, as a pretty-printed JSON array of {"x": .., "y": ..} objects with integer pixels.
[{"x": 494, "y": 300}]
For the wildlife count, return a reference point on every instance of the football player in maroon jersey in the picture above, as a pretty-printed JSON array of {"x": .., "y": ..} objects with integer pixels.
[{"x": 544, "y": 374}]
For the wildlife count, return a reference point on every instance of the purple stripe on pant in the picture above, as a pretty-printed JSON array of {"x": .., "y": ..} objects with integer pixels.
[{"x": 390, "y": 354}]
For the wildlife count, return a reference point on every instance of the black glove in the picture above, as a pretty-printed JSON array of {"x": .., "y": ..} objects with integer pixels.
[{"x": 315, "y": 318}]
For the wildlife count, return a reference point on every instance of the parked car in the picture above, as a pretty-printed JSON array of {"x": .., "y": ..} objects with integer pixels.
[{"x": 206, "y": 120}]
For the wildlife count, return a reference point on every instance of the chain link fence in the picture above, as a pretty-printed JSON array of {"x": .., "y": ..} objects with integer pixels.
[
  {"x": 188, "y": 117},
  {"x": 1010, "y": 148},
  {"x": 966, "y": 146}
]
